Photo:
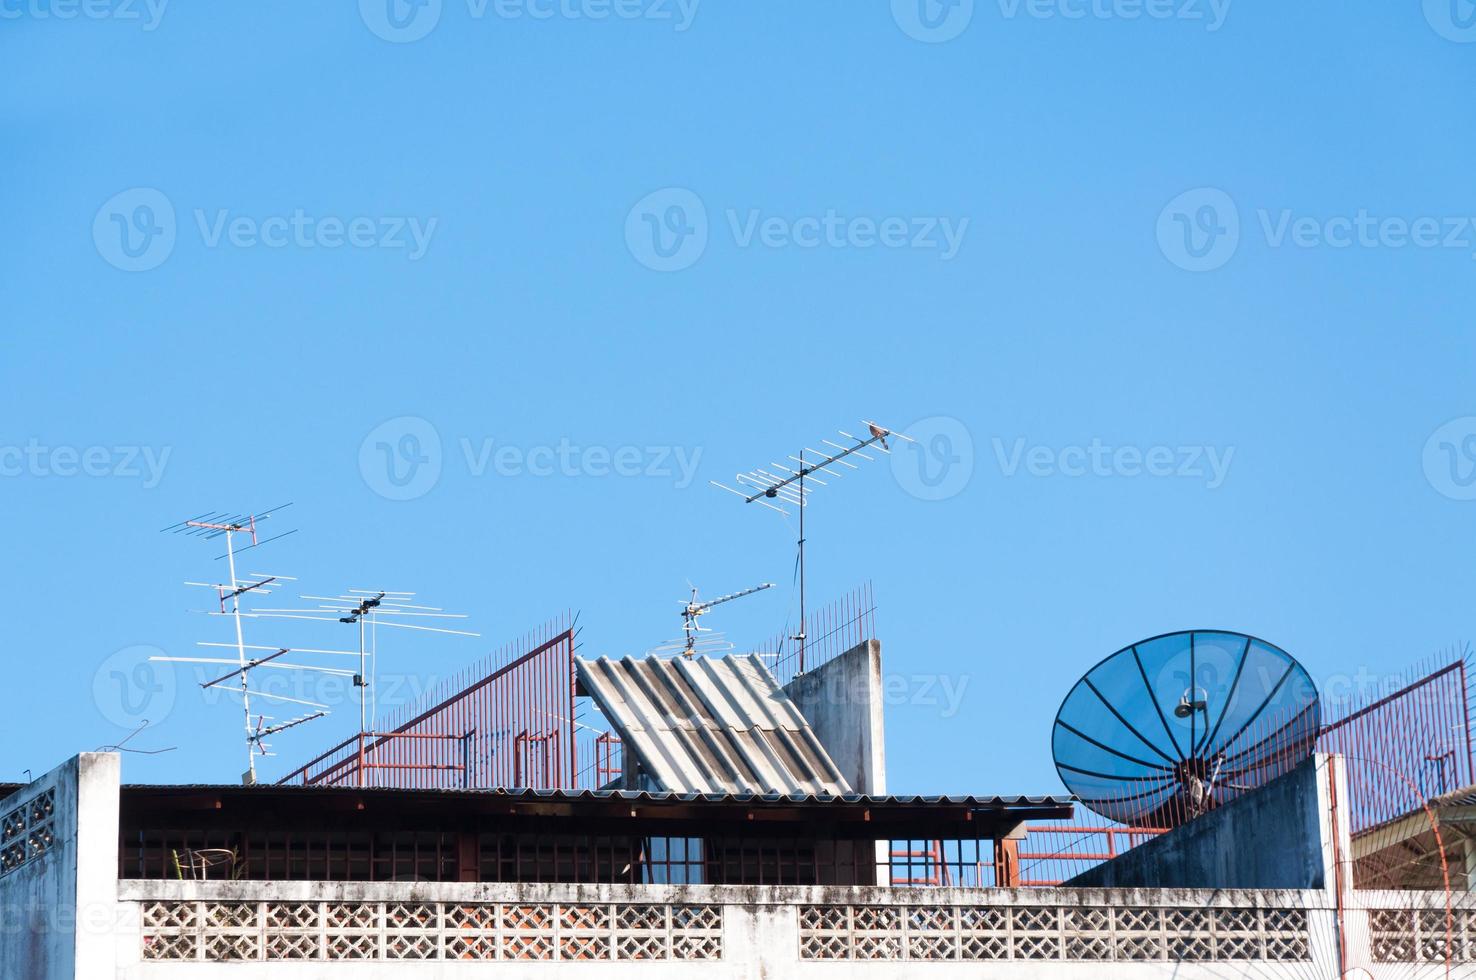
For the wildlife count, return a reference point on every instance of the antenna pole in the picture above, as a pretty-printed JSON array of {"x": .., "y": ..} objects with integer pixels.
[
  {"x": 241, "y": 653},
  {"x": 362, "y": 682},
  {"x": 802, "y": 630}
]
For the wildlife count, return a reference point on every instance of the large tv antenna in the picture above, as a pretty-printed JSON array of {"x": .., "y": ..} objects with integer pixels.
[
  {"x": 781, "y": 484},
  {"x": 1173, "y": 726},
  {"x": 368, "y": 609},
  {"x": 212, "y": 526}
]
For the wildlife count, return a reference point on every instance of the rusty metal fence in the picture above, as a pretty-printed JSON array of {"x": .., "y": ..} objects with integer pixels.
[{"x": 508, "y": 722}]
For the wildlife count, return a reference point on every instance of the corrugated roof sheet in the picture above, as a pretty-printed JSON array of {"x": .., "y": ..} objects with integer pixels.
[
  {"x": 710, "y": 725},
  {"x": 633, "y": 796}
]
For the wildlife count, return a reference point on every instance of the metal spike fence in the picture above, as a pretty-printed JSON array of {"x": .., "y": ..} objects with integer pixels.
[
  {"x": 831, "y": 630},
  {"x": 508, "y": 721}
]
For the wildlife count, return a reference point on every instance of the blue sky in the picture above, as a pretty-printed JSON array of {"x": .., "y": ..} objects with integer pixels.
[{"x": 1178, "y": 306}]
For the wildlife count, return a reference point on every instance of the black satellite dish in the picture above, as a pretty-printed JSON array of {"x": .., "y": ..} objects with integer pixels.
[{"x": 1173, "y": 726}]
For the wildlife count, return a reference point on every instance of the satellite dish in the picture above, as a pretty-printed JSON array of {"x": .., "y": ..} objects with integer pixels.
[{"x": 1173, "y": 726}]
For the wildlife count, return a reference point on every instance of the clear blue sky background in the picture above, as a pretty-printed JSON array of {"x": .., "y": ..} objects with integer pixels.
[{"x": 530, "y": 320}]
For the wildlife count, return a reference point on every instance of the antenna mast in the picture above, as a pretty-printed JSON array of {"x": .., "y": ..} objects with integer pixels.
[
  {"x": 787, "y": 485},
  {"x": 210, "y": 526}
]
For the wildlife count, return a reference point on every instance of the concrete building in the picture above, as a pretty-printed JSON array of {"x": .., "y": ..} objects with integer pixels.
[{"x": 101, "y": 880}]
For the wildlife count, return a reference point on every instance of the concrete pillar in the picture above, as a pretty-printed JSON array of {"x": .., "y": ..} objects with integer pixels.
[
  {"x": 60, "y": 904},
  {"x": 842, "y": 701}
]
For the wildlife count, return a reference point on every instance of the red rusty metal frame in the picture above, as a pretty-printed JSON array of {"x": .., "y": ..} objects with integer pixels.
[
  {"x": 1405, "y": 747},
  {"x": 477, "y": 730}
]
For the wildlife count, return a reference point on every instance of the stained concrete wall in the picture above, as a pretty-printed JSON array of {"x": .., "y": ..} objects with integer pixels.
[
  {"x": 842, "y": 701},
  {"x": 760, "y": 928},
  {"x": 57, "y": 911},
  {"x": 1280, "y": 836}
]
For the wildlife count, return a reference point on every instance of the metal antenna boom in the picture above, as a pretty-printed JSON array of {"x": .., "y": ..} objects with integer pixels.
[{"x": 692, "y": 609}]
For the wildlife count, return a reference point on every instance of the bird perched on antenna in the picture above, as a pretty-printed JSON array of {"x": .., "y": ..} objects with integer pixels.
[{"x": 879, "y": 433}]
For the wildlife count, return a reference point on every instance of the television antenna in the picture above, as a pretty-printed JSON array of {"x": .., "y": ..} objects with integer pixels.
[
  {"x": 368, "y": 609},
  {"x": 693, "y": 641},
  {"x": 781, "y": 484},
  {"x": 212, "y": 526}
]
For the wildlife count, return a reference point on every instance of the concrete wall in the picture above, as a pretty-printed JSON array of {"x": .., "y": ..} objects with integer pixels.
[
  {"x": 1279, "y": 836},
  {"x": 764, "y": 931},
  {"x": 842, "y": 701},
  {"x": 57, "y": 908}
]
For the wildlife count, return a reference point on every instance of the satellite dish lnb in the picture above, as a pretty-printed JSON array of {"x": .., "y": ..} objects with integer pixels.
[{"x": 1173, "y": 726}]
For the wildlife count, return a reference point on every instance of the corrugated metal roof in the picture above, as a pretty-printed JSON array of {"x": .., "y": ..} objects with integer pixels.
[
  {"x": 632, "y": 796},
  {"x": 710, "y": 725}
]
